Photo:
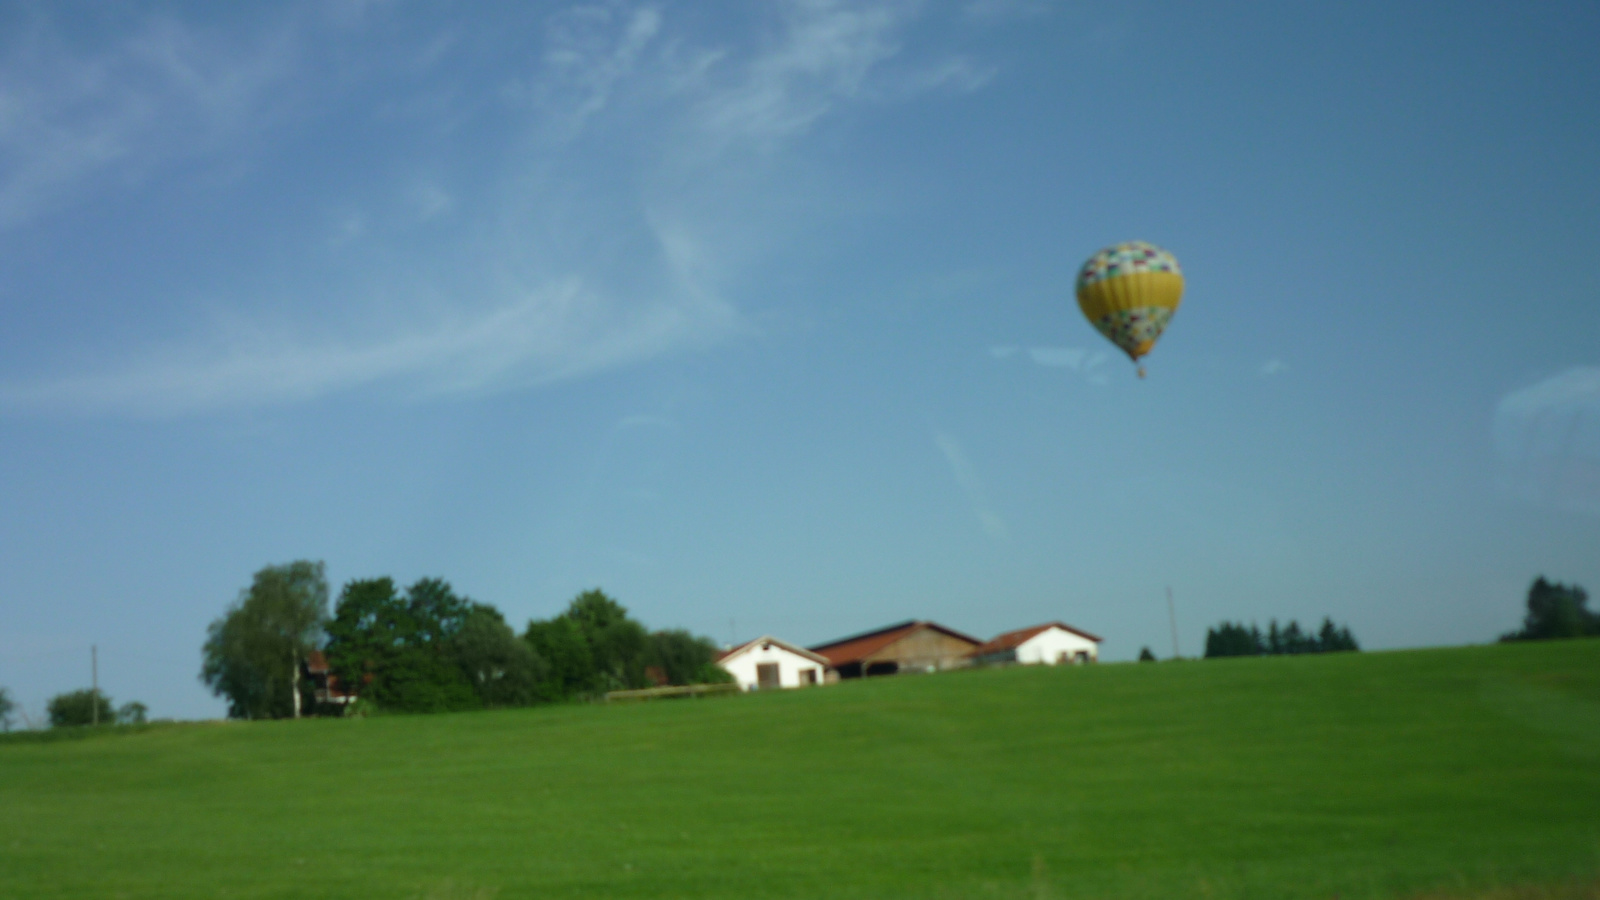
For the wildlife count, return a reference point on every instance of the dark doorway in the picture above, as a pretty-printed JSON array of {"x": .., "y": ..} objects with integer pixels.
[{"x": 767, "y": 676}]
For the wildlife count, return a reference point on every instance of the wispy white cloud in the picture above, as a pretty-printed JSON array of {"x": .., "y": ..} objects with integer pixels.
[
  {"x": 972, "y": 486},
  {"x": 998, "y": 10},
  {"x": 957, "y": 73},
  {"x": 1576, "y": 390},
  {"x": 1272, "y": 367},
  {"x": 827, "y": 55},
  {"x": 561, "y": 331},
  {"x": 1058, "y": 357},
  {"x": 589, "y": 50},
  {"x": 74, "y": 119},
  {"x": 1547, "y": 437},
  {"x": 1087, "y": 363},
  {"x": 169, "y": 94},
  {"x": 429, "y": 200}
]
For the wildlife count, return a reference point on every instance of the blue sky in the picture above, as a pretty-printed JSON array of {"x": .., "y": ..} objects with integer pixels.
[{"x": 759, "y": 316}]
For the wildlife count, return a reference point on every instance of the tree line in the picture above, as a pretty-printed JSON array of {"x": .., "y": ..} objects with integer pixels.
[
  {"x": 73, "y": 708},
  {"x": 426, "y": 648},
  {"x": 1234, "y": 639},
  {"x": 1555, "y": 611}
]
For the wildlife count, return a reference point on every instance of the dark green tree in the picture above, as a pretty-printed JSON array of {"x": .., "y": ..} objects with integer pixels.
[
  {"x": 616, "y": 642},
  {"x": 6, "y": 708},
  {"x": 365, "y": 634},
  {"x": 569, "y": 666},
  {"x": 132, "y": 713},
  {"x": 1230, "y": 639},
  {"x": 502, "y": 669},
  {"x": 1334, "y": 639},
  {"x": 80, "y": 708},
  {"x": 1296, "y": 641},
  {"x": 253, "y": 652},
  {"x": 400, "y": 652},
  {"x": 1556, "y": 611},
  {"x": 1146, "y": 656},
  {"x": 684, "y": 658}
]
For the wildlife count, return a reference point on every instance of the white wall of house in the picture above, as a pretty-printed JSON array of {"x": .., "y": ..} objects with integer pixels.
[
  {"x": 744, "y": 665},
  {"x": 1056, "y": 645}
]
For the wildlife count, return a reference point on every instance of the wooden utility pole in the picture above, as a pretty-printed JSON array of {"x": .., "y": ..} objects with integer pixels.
[
  {"x": 94, "y": 682},
  {"x": 1172, "y": 616}
]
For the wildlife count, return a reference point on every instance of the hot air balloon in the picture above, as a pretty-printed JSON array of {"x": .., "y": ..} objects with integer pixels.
[{"x": 1129, "y": 292}]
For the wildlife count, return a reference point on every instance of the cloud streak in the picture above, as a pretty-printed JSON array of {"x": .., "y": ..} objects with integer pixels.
[
  {"x": 1547, "y": 437},
  {"x": 972, "y": 486},
  {"x": 559, "y": 332},
  {"x": 167, "y": 92},
  {"x": 623, "y": 252}
]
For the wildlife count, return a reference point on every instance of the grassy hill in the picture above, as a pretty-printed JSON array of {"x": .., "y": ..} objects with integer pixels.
[{"x": 1443, "y": 772}]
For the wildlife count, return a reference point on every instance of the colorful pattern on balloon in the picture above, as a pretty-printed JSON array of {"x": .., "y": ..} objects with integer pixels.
[
  {"x": 1133, "y": 329},
  {"x": 1125, "y": 259}
]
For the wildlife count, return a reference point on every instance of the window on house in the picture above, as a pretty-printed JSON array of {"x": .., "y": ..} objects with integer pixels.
[
  {"x": 767, "y": 675},
  {"x": 808, "y": 676}
]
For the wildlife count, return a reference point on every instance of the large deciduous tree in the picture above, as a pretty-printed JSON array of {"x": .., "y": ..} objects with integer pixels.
[
  {"x": 594, "y": 646},
  {"x": 684, "y": 658},
  {"x": 617, "y": 643},
  {"x": 502, "y": 669},
  {"x": 253, "y": 652},
  {"x": 560, "y": 642},
  {"x": 402, "y": 652}
]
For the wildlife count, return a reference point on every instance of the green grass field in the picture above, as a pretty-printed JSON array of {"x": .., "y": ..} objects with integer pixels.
[{"x": 1441, "y": 773}]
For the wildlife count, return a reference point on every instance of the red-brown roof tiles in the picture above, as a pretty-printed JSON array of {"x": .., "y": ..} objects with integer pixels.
[
  {"x": 858, "y": 647},
  {"x": 1013, "y": 639}
]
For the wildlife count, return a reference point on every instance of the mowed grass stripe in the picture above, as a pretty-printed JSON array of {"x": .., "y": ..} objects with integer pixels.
[{"x": 1362, "y": 775}]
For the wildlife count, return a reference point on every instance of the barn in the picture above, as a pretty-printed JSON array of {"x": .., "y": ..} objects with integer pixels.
[
  {"x": 911, "y": 646},
  {"x": 1047, "y": 644},
  {"x": 767, "y": 663}
]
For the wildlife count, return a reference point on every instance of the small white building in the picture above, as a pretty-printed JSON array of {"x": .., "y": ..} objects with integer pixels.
[
  {"x": 767, "y": 662},
  {"x": 1047, "y": 644}
]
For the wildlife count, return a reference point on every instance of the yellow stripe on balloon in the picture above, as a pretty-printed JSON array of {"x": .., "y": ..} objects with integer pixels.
[{"x": 1129, "y": 292}]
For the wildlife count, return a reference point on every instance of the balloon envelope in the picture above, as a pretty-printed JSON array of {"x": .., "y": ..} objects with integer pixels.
[{"x": 1129, "y": 293}]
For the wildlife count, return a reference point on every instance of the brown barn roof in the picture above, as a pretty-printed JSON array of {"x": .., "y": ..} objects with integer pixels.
[
  {"x": 858, "y": 647},
  {"x": 1013, "y": 639},
  {"x": 316, "y": 663}
]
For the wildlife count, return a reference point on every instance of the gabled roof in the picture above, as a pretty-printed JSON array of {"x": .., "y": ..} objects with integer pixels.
[
  {"x": 769, "y": 639},
  {"x": 1014, "y": 639},
  {"x": 860, "y": 646},
  {"x": 316, "y": 663}
]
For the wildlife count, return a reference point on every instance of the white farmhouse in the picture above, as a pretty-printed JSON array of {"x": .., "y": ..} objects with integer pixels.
[
  {"x": 1047, "y": 644},
  {"x": 767, "y": 662}
]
